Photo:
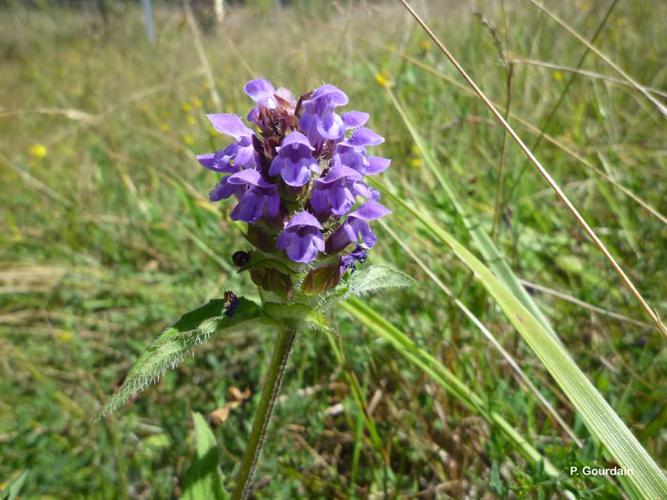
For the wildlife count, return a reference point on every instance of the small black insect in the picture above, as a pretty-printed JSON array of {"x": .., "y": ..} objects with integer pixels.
[
  {"x": 231, "y": 303},
  {"x": 241, "y": 258}
]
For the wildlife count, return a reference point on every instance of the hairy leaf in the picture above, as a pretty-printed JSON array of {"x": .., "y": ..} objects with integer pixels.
[
  {"x": 168, "y": 350},
  {"x": 203, "y": 479},
  {"x": 375, "y": 278}
]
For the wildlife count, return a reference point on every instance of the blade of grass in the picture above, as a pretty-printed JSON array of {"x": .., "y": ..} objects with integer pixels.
[
  {"x": 661, "y": 107},
  {"x": 543, "y": 171},
  {"x": 583, "y": 72},
  {"x": 585, "y": 305},
  {"x": 599, "y": 417},
  {"x": 549, "y": 409},
  {"x": 444, "y": 377},
  {"x": 483, "y": 242},
  {"x": 561, "y": 97}
]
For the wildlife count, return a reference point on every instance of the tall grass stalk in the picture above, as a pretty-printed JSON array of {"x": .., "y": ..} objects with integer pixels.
[
  {"x": 548, "y": 408},
  {"x": 533, "y": 130},
  {"x": 602, "y": 421},
  {"x": 661, "y": 107},
  {"x": 543, "y": 171}
]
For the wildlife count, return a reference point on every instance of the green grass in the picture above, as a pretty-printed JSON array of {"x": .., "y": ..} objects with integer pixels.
[{"x": 109, "y": 237}]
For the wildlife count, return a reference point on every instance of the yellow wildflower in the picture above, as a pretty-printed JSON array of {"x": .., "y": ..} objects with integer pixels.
[
  {"x": 197, "y": 102},
  {"x": 191, "y": 120},
  {"x": 38, "y": 151},
  {"x": 425, "y": 45},
  {"x": 558, "y": 76},
  {"x": 382, "y": 79},
  {"x": 64, "y": 336},
  {"x": 188, "y": 139},
  {"x": 164, "y": 127},
  {"x": 416, "y": 163},
  {"x": 185, "y": 107}
]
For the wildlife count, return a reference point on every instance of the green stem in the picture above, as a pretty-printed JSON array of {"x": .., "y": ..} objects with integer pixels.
[{"x": 274, "y": 380}]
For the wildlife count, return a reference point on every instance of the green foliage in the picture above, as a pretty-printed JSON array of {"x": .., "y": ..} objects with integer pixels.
[
  {"x": 193, "y": 328},
  {"x": 600, "y": 418},
  {"x": 203, "y": 479},
  {"x": 13, "y": 489},
  {"x": 372, "y": 279}
]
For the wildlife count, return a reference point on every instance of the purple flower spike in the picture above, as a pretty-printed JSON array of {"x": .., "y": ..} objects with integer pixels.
[
  {"x": 302, "y": 238},
  {"x": 356, "y": 227},
  {"x": 334, "y": 194},
  {"x": 295, "y": 160},
  {"x": 260, "y": 198},
  {"x": 301, "y": 167}
]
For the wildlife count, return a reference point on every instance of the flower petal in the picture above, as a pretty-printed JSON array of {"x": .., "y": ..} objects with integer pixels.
[
  {"x": 303, "y": 218},
  {"x": 249, "y": 208},
  {"x": 229, "y": 124},
  {"x": 365, "y": 137},
  {"x": 296, "y": 139},
  {"x": 370, "y": 210},
  {"x": 377, "y": 164},
  {"x": 333, "y": 95},
  {"x": 296, "y": 174},
  {"x": 355, "y": 119},
  {"x": 331, "y": 126},
  {"x": 338, "y": 172},
  {"x": 261, "y": 91}
]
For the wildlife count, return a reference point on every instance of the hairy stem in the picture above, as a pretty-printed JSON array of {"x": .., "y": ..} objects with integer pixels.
[{"x": 274, "y": 380}]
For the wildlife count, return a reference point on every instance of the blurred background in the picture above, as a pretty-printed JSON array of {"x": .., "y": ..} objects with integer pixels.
[{"x": 107, "y": 236}]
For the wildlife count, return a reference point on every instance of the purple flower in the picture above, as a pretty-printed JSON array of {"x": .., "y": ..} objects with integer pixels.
[
  {"x": 295, "y": 160},
  {"x": 300, "y": 168},
  {"x": 259, "y": 198},
  {"x": 238, "y": 154},
  {"x": 359, "y": 254},
  {"x": 319, "y": 121},
  {"x": 262, "y": 92},
  {"x": 356, "y": 227},
  {"x": 301, "y": 238},
  {"x": 351, "y": 152},
  {"x": 335, "y": 193}
]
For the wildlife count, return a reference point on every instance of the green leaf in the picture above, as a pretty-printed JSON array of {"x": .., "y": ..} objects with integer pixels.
[
  {"x": 295, "y": 315},
  {"x": 599, "y": 417},
  {"x": 375, "y": 278},
  {"x": 14, "y": 487},
  {"x": 193, "y": 328},
  {"x": 203, "y": 479}
]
